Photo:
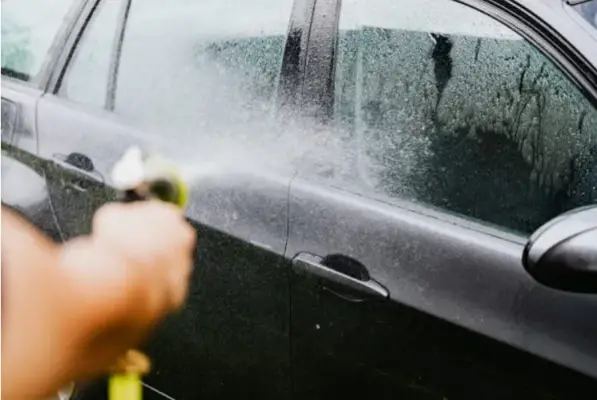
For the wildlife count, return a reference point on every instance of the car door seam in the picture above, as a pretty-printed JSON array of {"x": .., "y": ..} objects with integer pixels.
[{"x": 46, "y": 165}]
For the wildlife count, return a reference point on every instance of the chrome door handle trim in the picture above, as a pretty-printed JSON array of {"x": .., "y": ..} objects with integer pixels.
[
  {"x": 94, "y": 175},
  {"x": 312, "y": 264}
]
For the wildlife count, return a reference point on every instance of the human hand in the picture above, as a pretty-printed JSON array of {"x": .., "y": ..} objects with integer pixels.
[
  {"x": 132, "y": 271},
  {"x": 155, "y": 246},
  {"x": 73, "y": 309}
]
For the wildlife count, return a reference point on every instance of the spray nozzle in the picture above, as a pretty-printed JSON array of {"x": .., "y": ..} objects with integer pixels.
[{"x": 141, "y": 177}]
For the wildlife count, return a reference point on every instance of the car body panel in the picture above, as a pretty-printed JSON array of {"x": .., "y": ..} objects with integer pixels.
[
  {"x": 232, "y": 336},
  {"x": 462, "y": 319},
  {"x": 459, "y": 299},
  {"x": 435, "y": 270},
  {"x": 241, "y": 222},
  {"x": 23, "y": 182}
]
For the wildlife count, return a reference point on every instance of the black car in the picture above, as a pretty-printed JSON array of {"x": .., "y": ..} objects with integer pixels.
[{"x": 365, "y": 176}]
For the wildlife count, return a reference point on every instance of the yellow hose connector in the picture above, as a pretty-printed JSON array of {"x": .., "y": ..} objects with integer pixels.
[{"x": 125, "y": 382}]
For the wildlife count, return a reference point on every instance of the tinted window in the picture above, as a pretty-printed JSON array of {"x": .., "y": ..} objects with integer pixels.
[
  {"x": 29, "y": 28},
  {"x": 448, "y": 108},
  {"x": 86, "y": 80},
  {"x": 204, "y": 66}
]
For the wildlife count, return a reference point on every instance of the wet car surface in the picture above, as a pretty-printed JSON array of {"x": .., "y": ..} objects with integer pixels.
[{"x": 410, "y": 147}]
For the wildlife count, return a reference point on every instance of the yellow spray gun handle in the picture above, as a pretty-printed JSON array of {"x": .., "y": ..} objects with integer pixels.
[
  {"x": 162, "y": 182},
  {"x": 125, "y": 382}
]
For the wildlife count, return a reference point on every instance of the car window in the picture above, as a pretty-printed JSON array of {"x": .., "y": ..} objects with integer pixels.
[
  {"x": 448, "y": 108},
  {"x": 86, "y": 80},
  {"x": 207, "y": 65},
  {"x": 29, "y": 28},
  {"x": 195, "y": 66}
]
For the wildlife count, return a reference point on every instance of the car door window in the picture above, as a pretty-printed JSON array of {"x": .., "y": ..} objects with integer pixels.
[
  {"x": 86, "y": 80},
  {"x": 29, "y": 28},
  {"x": 207, "y": 66},
  {"x": 444, "y": 106}
]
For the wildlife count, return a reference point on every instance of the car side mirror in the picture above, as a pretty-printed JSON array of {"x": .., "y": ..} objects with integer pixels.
[{"x": 562, "y": 254}]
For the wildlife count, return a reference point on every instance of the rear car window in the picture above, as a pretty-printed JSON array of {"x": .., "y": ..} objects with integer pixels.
[
  {"x": 28, "y": 31},
  {"x": 95, "y": 58},
  {"x": 203, "y": 68},
  {"x": 209, "y": 66}
]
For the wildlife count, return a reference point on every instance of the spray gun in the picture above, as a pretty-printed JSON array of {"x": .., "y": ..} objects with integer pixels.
[{"x": 139, "y": 177}]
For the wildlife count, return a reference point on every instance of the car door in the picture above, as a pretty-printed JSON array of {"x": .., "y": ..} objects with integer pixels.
[
  {"x": 178, "y": 82},
  {"x": 29, "y": 40},
  {"x": 452, "y": 138}
]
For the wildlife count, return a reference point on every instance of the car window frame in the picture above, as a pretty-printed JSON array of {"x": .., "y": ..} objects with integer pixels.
[
  {"x": 556, "y": 48},
  {"x": 294, "y": 59},
  {"x": 291, "y": 80},
  {"x": 42, "y": 79},
  {"x": 116, "y": 53},
  {"x": 569, "y": 9},
  {"x": 69, "y": 50},
  {"x": 55, "y": 86},
  {"x": 514, "y": 16}
]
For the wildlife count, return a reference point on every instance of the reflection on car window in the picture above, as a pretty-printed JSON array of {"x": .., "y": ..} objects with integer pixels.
[
  {"x": 451, "y": 109},
  {"x": 28, "y": 31},
  {"x": 208, "y": 66},
  {"x": 588, "y": 11}
]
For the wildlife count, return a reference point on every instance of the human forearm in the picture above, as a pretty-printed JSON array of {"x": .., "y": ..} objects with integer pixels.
[
  {"x": 62, "y": 309},
  {"x": 32, "y": 296},
  {"x": 70, "y": 310},
  {"x": 114, "y": 308}
]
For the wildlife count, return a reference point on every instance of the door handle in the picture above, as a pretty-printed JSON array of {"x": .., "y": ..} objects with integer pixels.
[
  {"x": 81, "y": 188},
  {"x": 80, "y": 165},
  {"x": 314, "y": 265}
]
